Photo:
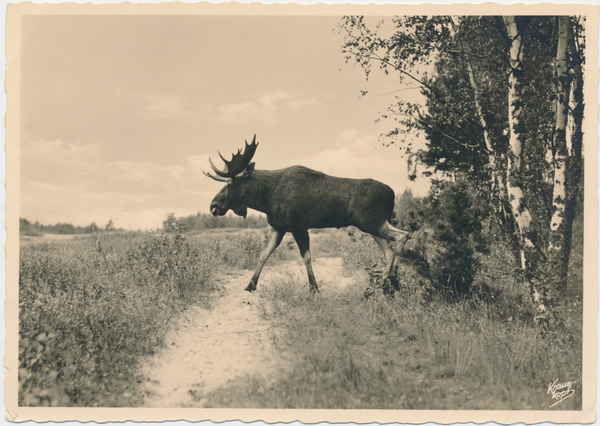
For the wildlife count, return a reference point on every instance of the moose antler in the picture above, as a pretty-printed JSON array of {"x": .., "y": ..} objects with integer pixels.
[
  {"x": 236, "y": 165},
  {"x": 217, "y": 178}
]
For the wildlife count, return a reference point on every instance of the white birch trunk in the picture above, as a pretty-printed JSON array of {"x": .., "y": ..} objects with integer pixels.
[
  {"x": 516, "y": 195},
  {"x": 574, "y": 141},
  {"x": 575, "y": 123},
  {"x": 557, "y": 251},
  {"x": 560, "y": 140},
  {"x": 515, "y": 192}
]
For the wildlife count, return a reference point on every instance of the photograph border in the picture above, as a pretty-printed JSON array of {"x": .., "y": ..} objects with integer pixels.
[{"x": 15, "y": 413}]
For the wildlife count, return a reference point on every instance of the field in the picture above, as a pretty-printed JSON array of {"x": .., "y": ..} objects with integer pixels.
[{"x": 136, "y": 319}]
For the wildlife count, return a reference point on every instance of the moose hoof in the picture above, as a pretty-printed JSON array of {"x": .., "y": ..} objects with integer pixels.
[
  {"x": 390, "y": 285},
  {"x": 395, "y": 283},
  {"x": 251, "y": 287},
  {"x": 389, "y": 294}
]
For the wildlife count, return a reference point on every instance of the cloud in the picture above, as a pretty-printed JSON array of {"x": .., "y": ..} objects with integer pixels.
[
  {"x": 167, "y": 107},
  {"x": 58, "y": 155},
  {"x": 266, "y": 108},
  {"x": 50, "y": 203},
  {"x": 157, "y": 106},
  {"x": 72, "y": 182},
  {"x": 299, "y": 104},
  {"x": 198, "y": 162},
  {"x": 82, "y": 162},
  {"x": 79, "y": 206},
  {"x": 359, "y": 155}
]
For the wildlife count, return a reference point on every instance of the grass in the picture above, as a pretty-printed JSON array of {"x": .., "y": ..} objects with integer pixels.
[
  {"x": 241, "y": 249},
  {"x": 348, "y": 352},
  {"x": 90, "y": 310},
  {"x": 415, "y": 351}
]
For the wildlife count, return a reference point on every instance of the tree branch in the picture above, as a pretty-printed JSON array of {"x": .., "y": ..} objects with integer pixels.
[
  {"x": 435, "y": 128},
  {"x": 485, "y": 58},
  {"x": 376, "y": 57}
]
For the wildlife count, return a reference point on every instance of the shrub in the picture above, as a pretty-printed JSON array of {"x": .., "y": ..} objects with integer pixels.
[
  {"x": 409, "y": 212},
  {"x": 202, "y": 221},
  {"x": 242, "y": 249},
  {"x": 361, "y": 251},
  {"x": 171, "y": 263},
  {"x": 452, "y": 255},
  {"x": 86, "y": 317}
]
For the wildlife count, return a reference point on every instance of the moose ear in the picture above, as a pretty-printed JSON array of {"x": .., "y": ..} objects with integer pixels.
[{"x": 249, "y": 169}]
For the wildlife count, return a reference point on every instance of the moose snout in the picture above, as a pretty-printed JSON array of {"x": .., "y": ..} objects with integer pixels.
[{"x": 218, "y": 209}]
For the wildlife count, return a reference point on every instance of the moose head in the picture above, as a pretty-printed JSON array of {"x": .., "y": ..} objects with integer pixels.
[{"x": 236, "y": 171}]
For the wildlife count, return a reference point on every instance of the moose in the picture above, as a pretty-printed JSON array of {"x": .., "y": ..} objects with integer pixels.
[{"x": 296, "y": 199}]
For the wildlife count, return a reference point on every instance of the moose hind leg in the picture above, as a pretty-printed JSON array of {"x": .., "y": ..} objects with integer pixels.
[
  {"x": 303, "y": 241},
  {"x": 391, "y": 283},
  {"x": 396, "y": 235},
  {"x": 275, "y": 237}
]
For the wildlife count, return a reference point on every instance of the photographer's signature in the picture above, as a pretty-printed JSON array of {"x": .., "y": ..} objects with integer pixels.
[{"x": 560, "y": 391}]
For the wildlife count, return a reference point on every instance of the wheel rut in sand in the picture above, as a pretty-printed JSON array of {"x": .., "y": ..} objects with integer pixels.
[{"x": 206, "y": 350}]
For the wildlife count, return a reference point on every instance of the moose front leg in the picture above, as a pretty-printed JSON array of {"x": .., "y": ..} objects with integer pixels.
[
  {"x": 303, "y": 241},
  {"x": 275, "y": 237}
]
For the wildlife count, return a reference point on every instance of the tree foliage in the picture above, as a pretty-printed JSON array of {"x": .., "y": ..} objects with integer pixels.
[
  {"x": 495, "y": 93},
  {"x": 457, "y": 217}
]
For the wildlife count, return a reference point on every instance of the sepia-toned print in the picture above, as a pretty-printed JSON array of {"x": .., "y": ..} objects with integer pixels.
[{"x": 317, "y": 213}]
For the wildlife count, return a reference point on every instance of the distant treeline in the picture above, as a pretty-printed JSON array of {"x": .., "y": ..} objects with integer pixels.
[
  {"x": 37, "y": 229},
  {"x": 191, "y": 223},
  {"x": 203, "y": 221}
]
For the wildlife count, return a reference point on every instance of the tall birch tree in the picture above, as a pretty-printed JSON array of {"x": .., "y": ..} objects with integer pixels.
[
  {"x": 558, "y": 251},
  {"x": 504, "y": 105},
  {"x": 516, "y": 194}
]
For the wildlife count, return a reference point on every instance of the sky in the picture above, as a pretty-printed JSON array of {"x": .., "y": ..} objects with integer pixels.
[{"x": 121, "y": 113}]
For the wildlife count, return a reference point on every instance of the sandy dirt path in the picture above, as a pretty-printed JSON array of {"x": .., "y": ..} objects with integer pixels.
[{"x": 210, "y": 349}]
